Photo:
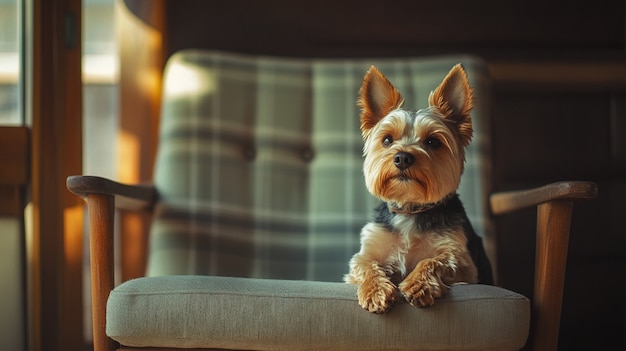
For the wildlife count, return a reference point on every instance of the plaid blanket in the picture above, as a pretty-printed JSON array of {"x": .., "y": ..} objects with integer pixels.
[{"x": 259, "y": 166}]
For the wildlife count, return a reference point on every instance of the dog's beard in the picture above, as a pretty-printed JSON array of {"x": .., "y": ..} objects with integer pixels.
[{"x": 428, "y": 181}]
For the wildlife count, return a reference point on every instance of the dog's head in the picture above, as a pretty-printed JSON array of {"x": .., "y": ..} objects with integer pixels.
[{"x": 414, "y": 157}]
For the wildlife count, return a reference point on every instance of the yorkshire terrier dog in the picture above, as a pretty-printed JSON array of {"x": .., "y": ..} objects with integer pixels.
[{"x": 421, "y": 241}]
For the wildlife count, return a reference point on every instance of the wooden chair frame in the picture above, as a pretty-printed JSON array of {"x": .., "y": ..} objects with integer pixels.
[{"x": 554, "y": 211}]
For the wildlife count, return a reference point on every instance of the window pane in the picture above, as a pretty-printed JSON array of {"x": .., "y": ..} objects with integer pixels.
[
  {"x": 100, "y": 88},
  {"x": 10, "y": 63}
]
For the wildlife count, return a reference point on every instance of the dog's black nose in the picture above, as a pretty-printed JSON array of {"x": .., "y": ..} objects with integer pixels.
[{"x": 403, "y": 160}]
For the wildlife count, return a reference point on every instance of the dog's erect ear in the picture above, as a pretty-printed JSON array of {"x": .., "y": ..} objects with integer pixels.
[
  {"x": 453, "y": 97},
  {"x": 377, "y": 98}
]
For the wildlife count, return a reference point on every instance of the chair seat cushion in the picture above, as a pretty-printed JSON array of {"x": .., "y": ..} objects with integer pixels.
[{"x": 241, "y": 313}]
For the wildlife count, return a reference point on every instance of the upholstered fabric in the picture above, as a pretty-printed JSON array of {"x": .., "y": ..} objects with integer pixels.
[
  {"x": 263, "y": 314},
  {"x": 259, "y": 166}
]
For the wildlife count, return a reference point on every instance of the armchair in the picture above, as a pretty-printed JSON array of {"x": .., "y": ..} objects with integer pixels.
[{"x": 257, "y": 205}]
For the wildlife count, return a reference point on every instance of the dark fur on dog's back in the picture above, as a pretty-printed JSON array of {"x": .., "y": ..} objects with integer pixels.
[{"x": 449, "y": 214}]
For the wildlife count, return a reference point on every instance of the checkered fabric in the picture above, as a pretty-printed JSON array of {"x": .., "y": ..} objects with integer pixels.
[{"x": 259, "y": 167}]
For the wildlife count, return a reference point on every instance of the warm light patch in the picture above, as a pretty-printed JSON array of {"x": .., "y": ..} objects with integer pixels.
[
  {"x": 129, "y": 151},
  {"x": 73, "y": 219},
  {"x": 186, "y": 79}
]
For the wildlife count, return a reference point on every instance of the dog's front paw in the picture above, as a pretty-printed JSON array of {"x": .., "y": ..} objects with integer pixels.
[
  {"x": 421, "y": 293},
  {"x": 424, "y": 284},
  {"x": 377, "y": 295}
]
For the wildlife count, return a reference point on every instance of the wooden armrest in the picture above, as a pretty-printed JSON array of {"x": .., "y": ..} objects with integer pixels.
[
  {"x": 554, "y": 204},
  {"x": 504, "y": 202},
  {"x": 103, "y": 196},
  {"x": 132, "y": 197}
]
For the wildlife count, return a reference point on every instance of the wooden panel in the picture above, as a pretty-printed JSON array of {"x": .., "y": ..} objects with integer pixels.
[
  {"x": 14, "y": 155},
  {"x": 15, "y": 165},
  {"x": 11, "y": 201},
  {"x": 618, "y": 132},
  {"x": 561, "y": 75},
  {"x": 141, "y": 27},
  {"x": 141, "y": 51},
  {"x": 54, "y": 107}
]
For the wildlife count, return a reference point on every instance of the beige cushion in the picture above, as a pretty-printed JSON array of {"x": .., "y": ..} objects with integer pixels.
[{"x": 244, "y": 313}]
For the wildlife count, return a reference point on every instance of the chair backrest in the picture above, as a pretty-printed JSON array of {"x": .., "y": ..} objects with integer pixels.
[{"x": 259, "y": 167}]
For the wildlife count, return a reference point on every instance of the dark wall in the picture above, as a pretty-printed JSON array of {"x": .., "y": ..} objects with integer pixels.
[
  {"x": 390, "y": 28},
  {"x": 567, "y": 122}
]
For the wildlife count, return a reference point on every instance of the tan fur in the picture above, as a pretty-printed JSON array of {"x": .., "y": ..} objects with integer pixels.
[
  {"x": 453, "y": 97},
  {"x": 437, "y": 172},
  {"x": 377, "y": 98},
  {"x": 418, "y": 265}
]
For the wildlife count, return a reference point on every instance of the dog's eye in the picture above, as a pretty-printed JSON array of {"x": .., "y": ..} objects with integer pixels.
[
  {"x": 387, "y": 140},
  {"x": 433, "y": 143}
]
